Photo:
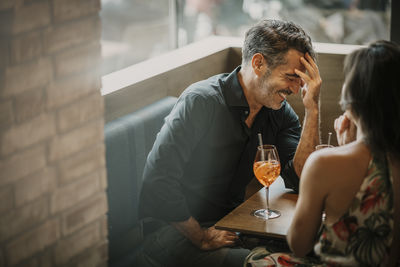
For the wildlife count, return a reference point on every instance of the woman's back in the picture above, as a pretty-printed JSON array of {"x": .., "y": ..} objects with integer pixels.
[
  {"x": 359, "y": 231},
  {"x": 342, "y": 171}
]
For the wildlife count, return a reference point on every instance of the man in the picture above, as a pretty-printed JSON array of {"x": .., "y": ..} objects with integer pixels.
[{"x": 202, "y": 158}]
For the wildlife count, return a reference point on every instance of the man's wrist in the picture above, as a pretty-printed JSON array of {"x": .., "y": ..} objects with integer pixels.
[
  {"x": 312, "y": 111},
  {"x": 200, "y": 238},
  {"x": 192, "y": 230}
]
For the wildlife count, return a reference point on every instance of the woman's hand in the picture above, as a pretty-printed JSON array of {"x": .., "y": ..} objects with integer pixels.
[{"x": 346, "y": 130}]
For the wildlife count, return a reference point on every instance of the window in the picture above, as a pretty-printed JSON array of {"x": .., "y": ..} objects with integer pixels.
[
  {"x": 327, "y": 21},
  {"x": 135, "y": 30},
  {"x": 132, "y": 31}
]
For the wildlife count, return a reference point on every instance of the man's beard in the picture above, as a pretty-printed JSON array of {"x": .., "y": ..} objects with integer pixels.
[{"x": 268, "y": 92}]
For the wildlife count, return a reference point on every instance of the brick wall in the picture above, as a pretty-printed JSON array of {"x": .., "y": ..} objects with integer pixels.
[{"x": 52, "y": 166}]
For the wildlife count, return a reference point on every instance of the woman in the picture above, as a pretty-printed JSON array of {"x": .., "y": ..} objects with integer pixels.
[{"x": 351, "y": 185}]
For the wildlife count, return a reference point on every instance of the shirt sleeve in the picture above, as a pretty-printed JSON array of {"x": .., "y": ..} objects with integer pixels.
[
  {"x": 162, "y": 196},
  {"x": 288, "y": 139}
]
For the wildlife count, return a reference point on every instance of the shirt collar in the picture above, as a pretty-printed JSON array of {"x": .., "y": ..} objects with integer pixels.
[{"x": 233, "y": 91}]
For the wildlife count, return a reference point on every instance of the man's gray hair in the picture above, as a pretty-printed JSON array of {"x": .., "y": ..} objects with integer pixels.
[{"x": 273, "y": 39}]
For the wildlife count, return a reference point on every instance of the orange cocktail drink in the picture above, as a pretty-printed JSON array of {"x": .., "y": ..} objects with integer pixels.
[
  {"x": 266, "y": 168},
  {"x": 266, "y": 172}
]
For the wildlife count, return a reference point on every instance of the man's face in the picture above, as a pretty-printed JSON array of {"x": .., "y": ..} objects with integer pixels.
[{"x": 276, "y": 84}]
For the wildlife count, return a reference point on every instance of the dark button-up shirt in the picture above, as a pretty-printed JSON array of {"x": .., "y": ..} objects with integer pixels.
[{"x": 202, "y": 158}]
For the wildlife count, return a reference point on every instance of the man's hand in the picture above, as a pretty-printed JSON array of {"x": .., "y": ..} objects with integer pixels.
[
  {"x": 214, "y": 239},
  {"x": 205, "y": 238},
  {"x": 311, "y": 84},
  {"x": 346, "y": 130}
]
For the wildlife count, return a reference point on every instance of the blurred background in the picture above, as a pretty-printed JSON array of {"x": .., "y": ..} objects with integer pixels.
[{"x": 135, "y": 30}]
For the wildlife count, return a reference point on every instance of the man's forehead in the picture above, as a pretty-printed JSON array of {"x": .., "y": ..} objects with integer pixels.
[{"x": 288, "y": 69}]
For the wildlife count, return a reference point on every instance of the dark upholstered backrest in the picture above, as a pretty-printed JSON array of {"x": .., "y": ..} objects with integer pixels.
[{"x": 128, "y": 141}]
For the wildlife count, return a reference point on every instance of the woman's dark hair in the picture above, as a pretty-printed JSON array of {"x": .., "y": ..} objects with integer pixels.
[
  {"x": 372, "y": 93},
  {"x": 273, "y": 39}
]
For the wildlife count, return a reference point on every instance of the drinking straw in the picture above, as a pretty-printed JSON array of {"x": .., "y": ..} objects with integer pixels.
[
  {"x": 261, "y": 144},
  {"x": 329, "y": 138}
]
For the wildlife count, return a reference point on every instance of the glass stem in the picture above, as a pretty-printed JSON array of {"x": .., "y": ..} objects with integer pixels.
[{"x": 267, "y": 197}]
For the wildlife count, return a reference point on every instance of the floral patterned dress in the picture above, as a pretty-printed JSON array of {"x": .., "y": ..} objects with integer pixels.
[{"x": 361, "y": 237}]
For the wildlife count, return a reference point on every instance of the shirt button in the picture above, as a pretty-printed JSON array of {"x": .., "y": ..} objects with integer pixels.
[{"x": 246, "y": 112}]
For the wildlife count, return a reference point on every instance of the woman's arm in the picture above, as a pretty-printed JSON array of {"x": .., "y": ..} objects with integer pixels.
[{"x": 307, "y": 218}]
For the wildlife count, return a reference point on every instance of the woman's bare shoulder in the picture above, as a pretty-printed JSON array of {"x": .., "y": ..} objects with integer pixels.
[
  {"x": 342, "y": 155},
  {"x": 336, "y": 163}
]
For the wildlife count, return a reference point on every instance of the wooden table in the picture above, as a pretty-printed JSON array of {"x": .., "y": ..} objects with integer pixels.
[{"x": 241, "y": 219}]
